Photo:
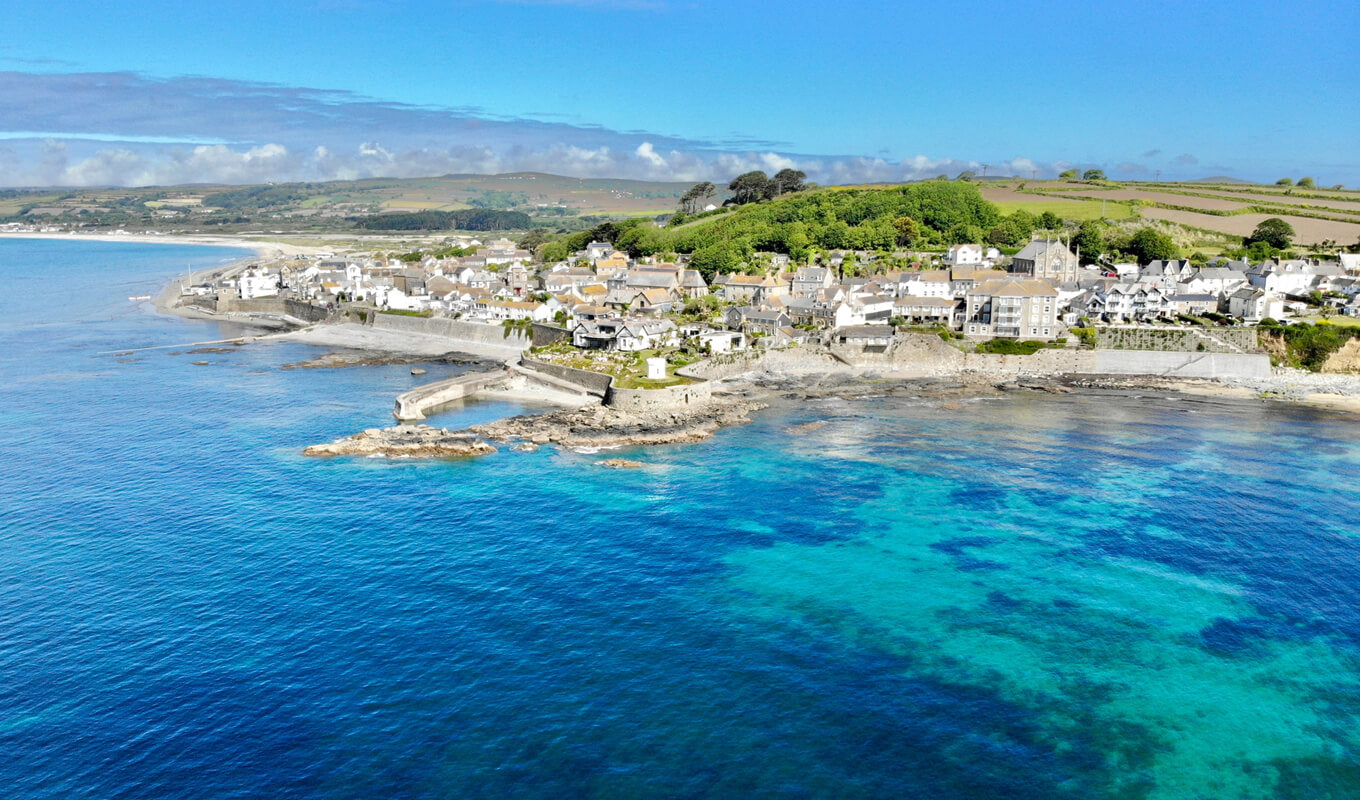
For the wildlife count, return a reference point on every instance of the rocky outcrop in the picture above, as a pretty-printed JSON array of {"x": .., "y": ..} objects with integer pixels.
[
  {"x": 1346, "y": 360},
  {"x": 411, "y": 441},
  {"x": 601, "y": 426},
  {"x": 379, "y": 358}
]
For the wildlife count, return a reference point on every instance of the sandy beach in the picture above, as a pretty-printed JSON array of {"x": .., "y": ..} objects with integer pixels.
[{"x": 262, "y": 248}]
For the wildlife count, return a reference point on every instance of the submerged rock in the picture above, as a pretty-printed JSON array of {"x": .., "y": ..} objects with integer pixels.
[
  {"x": 411, "y": 441},
  {"x": 620, "y": 463}
]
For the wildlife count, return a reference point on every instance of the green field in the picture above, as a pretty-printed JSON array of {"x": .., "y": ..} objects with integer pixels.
[{"x": 1070, "y": 209}]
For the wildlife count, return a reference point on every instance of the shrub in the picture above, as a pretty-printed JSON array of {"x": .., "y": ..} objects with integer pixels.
[{"x": 1010, "y": 347}]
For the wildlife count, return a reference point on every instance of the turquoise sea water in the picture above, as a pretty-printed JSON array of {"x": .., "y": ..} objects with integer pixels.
[{"x": 1023, "y": 597}]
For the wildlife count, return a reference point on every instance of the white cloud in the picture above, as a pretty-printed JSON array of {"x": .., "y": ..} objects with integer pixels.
[
  {"x": 647, "y": 153},
  {"x": 55, "y": 165}
]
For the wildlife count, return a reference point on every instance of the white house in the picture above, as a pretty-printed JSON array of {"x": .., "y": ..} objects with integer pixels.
[
  {"x": 1282, "y": 277},
  {"x": 931, "y": 283},
  {"x": 1253, "y": 304},
  {"x": 962, "y": 255},
  {"x": 723, "y": 341},
  {"x": 256, "y": 282}
]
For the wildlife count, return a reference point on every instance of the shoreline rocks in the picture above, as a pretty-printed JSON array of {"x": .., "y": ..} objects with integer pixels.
[
  {"x": 379, "y": 358},
  {"x": 602, "y": 426},
  {"x": 411, "y": 441}
]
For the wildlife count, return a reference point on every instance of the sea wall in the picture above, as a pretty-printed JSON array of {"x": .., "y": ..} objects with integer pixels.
[
  {"x": 471, "y": 332},
  {"x": 1182, "y": 365},
  {"x": 272, "y": 305},
  {"x": 667, "y": 399},
  {"x": 413, "y": 405},
  {"x": 924, "y": 355},
  {"x": 1042, "y": 363}
]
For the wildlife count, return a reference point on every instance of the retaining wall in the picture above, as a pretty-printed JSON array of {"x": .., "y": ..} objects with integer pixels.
[
  {"x": 593, "y": 383},
  {"x": 544, "y": 335},
  {"x": 1213, "y": 340},
  {"x": 471, "y": 332}
]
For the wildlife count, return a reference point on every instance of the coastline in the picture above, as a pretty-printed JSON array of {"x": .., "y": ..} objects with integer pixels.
[
  {"x": 736, "y": 397},
  {"x": 263, "y": 248},
  {"x": 163, "y": 301},
  {"x": 811, "y": 373}
]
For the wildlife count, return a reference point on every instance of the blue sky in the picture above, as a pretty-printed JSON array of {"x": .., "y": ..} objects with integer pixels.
[{"x": 161, "y": 91}]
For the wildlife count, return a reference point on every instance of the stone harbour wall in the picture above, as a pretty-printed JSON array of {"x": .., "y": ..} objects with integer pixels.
[
  {"x": 670, "y": 398},
  {"x": 471, "y": 332}
]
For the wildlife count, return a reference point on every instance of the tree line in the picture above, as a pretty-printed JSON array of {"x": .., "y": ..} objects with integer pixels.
[{"x": 749, "y": 187}]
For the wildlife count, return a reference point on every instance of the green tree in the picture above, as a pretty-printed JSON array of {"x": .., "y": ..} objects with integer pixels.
[
  {"x": 716, "y": 258},
  {"x": 1067, "y": 175},
  {"x": 1306, "y": 183},
  {"x": 1093, "y": 175},
  {"x": 908, "y": 231},
  {"x": 1049, "y": 221},
  {"x": 1147, "y": 244},
  {"x": 963, "y": 233},
  {"x": 1006, "y": 232},
  {"x": 1285, "y": 182},
  {"x": 1260, "y": 251},
  {"x": 751, "y": 187},
  {"x": 798, "y": 242},
  {"x": 534, "y": 238},
  {"x": 789, "y": 180},
  {"x": 693, "y": 199},
  {"x": 1090, "y": 241},
  {"x": 966, "y": 175},
  {"x": 835, "y": 236},
  {"x": 1274, "y": 231},
  {"x": 1013, "y": 230},
  {"x": 553, "y": 252}
]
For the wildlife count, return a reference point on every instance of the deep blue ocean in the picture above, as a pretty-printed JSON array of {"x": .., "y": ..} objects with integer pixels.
[{"x": 1029, "y": 596}]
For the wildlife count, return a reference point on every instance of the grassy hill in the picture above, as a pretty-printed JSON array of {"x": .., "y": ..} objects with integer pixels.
[
  {"x": 551, "y": 201},
  {"x": 1125, "y": 221},
  {"x": 1229, "y": 207}
]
